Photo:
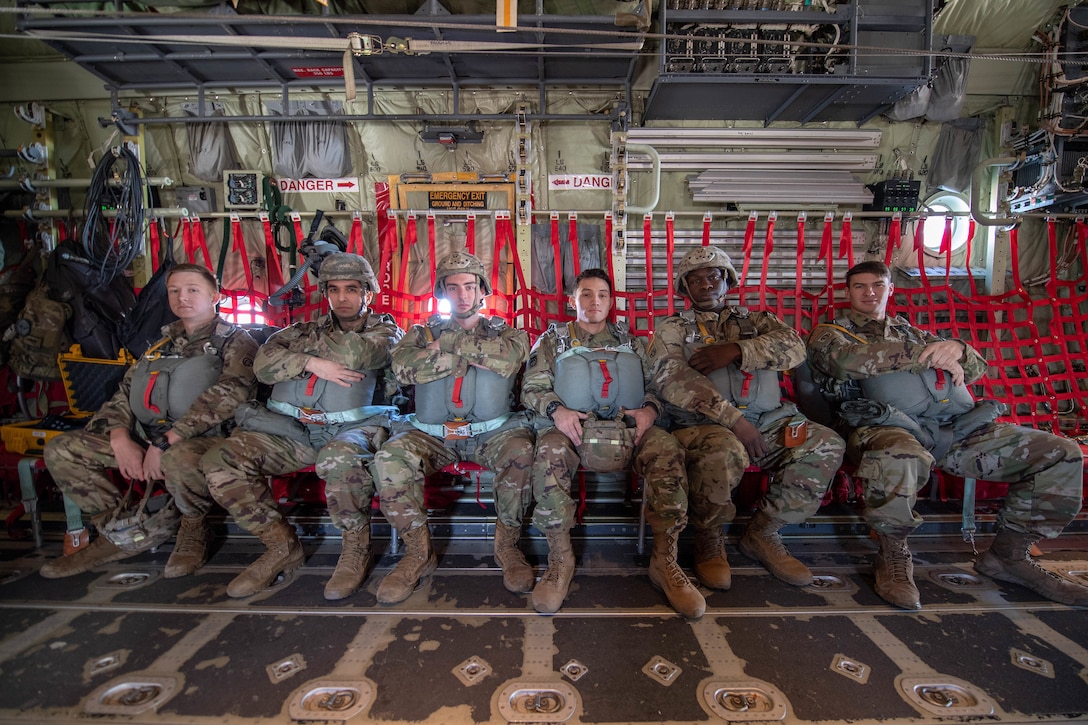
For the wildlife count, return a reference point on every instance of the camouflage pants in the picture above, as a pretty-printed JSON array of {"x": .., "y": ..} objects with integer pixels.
[
  {"x": 236, "y": 473},
  {"x": 406, "y": 459},
  {"x": 800, "y": 476},
  {"x": 1044, "y": 472},
  {"x": 79, "y": 462},
  {"x": 657, "y": 458}
]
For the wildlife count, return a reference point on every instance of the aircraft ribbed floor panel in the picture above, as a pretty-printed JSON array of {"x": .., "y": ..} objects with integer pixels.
[{"x": 125, "y": 645}]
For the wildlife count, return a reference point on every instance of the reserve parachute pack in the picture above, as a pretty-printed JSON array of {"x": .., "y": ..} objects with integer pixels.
[{"x": 139, "y": 525}]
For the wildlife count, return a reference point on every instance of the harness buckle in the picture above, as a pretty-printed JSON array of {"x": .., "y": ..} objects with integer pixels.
[
  {"x": 453, "y": 430},
  {"x": 312, "y": 416}
]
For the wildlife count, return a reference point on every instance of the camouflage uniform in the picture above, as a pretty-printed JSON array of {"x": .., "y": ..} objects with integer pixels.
[
  {"x": 1044, "y": 470},
  {"x": 409, "y": 456},
  {"x": 79, "y": 460},
  {"x": 702, "y": 418},
  {"x": 340, "y": 453},
  {"x": 657, "y": 457}
]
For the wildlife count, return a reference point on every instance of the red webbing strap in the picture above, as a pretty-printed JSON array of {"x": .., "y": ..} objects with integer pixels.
[
  {"x": 608, "y": 253},
  {"x": 153, "y": 234},
  {"x": 406, "y": 252},
  {"x": 607, "y": 378},
  {"x": 768, "y": 247},
  {"x": 456, "y": 397},
  {"x": 648, "y": 245},
  {"x": 749, "y": 240},
  {"x": 239, "y": 245},
  {"x": 202, "y": 244},
  {"x": 355, "y": 237},
  {"x": 572, "y": 239},
  {"x": 895, "y": 237},
  {"x": 470, "y": 233},
  {"x": 670, "y": 248},
  {"x": 940, "y": 382},
  {"x": 1052, "y": 249},
  {"x": 151, "y": 380},
  {"x": 557, "y": 254},
  {"x": 920, "y": 252},
  {"x": 798, "y": 282},
  {"x": 187, "y": 242},
  {"x": 311, "y": 384},
  {"x": 946, "y": 246},
  {"x": 431, "y": 247},
  {"x": 387, "y": 243},
  {"x": 746, "y": 385},
  {"x": 967, "y": 258},
  {"x": 706, "y": 231},
  {"x": 504, "y": 237},
  {"x": 846, "y": 239},
  {"x": 271, "y": 254},
  {"x": 825, "y": 248}
]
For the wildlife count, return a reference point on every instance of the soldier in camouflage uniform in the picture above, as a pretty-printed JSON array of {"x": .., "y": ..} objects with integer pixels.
[
  {"x": 463, "y": 369},
  {"x": 851, "y": 361},
  {"x": 717, "y": 367},
  {"x": 582, "y": 371},
  {"x": 133, "y": 433},
  {"x": 327, "y": 408}
]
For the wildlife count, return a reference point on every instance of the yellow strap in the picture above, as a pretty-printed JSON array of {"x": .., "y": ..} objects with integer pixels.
[
  {"x": 840, "y": 328},
  {"x": 574, "y": 342},
  {"x": 152, "y": 352},
  {"x": 707, "y": 337}
]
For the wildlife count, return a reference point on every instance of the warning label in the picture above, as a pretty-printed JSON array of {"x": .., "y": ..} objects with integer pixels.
[{"x": 457, "y": 199}]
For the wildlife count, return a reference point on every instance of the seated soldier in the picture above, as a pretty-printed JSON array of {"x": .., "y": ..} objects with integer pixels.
[
  {"x": 463, "y": 369},
  {"x": 590, "y": 378},
  {"x": 717, "y": 366},
  {"x": 900, "y": 394},
  {"x": 327, "y": 408},
  {"x": 169, "y": 410}
]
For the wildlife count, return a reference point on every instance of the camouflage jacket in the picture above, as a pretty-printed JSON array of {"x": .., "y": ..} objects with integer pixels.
[
  {"x": 285, "y": 354},
  {"x": 538, "y": 387},
  {"x": 864, "y": 348},
  {"x": 491, "y": 343},
  {"x": 215, "y": 405},
  {"x": 775, "y": 346}
]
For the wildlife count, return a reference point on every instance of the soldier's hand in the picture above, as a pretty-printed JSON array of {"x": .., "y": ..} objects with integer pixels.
[
  {"x": 942, "y": 355},
  {"x": 714, "y": 357},
  {"x": 569, "y": 422},
  {"x": 644, "y": 420},
  {"x": 153, "y": 464},
  {"x": 334, "y": 372},
  {"x": 129, "y": 455},
  {"x": 956, "y": 371},
  {"x": 752, "y": 439}
]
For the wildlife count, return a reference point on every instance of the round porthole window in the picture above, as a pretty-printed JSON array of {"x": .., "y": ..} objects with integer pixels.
[{"x": 940, "y": 206}]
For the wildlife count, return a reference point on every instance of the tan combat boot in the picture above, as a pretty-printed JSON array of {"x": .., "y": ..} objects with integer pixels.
[
  {"x": 517, "y": 575},
  {"x": 1009, "y": 560},
  {"x": 666, "y": 575},
  {"x": 894, "y": 570},
  {"x": 284, "y": 555},
  {"x": 762, "y": 543},
  {"x": 711, "y": 562},
  {"x": 190, "y": 549},
  {"x": 418, "y": 561},
  {"x": 351, "y": 566},
  {"x": 551, "y": 590},
  {"x": 98, "y": 552}
]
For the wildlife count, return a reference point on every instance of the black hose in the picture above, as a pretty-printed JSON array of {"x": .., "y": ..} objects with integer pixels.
[{"x": 112, "y": 243}]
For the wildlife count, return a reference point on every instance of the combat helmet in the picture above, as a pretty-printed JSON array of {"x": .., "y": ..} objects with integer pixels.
[
  {"x": 460, "y": 263},
  {"x": 343, "y": 265},
  {"x": 701, "y": 258}
]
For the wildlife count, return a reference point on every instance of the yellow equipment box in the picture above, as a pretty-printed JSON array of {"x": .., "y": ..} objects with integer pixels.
[{"x": 29, "y": 438}]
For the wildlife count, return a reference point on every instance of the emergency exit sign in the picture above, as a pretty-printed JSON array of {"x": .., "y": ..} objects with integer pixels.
[
  {"x": 457, "y": 199},
  {"x": 317, "y": 186}
]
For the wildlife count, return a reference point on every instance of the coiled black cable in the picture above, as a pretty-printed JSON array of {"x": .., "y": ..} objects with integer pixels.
[{"x": 111, "y": 243}]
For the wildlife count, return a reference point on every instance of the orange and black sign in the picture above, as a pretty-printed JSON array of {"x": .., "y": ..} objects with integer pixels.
[{"x": 456, "y": 199}]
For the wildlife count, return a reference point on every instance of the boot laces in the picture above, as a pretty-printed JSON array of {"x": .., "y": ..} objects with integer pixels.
[
  {"x": 898, "y": 562},
  {"x": 191, "y": 537},
  {"x": 676, "y": 574}
]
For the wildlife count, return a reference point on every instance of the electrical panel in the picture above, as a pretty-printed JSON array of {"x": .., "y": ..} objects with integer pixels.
[
  {"x": 242, "y": 189},
  {"x": 1052, "y": 170},
  {"x": 789, "y": 60},
  {"x": 895, "y": 195}
]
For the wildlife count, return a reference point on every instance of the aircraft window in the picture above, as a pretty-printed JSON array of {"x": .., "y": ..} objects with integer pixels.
[{"x": 939, "y": 204}]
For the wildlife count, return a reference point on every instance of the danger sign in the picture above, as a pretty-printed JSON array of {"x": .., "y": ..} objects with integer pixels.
[{"x": 317, "y": 186}]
